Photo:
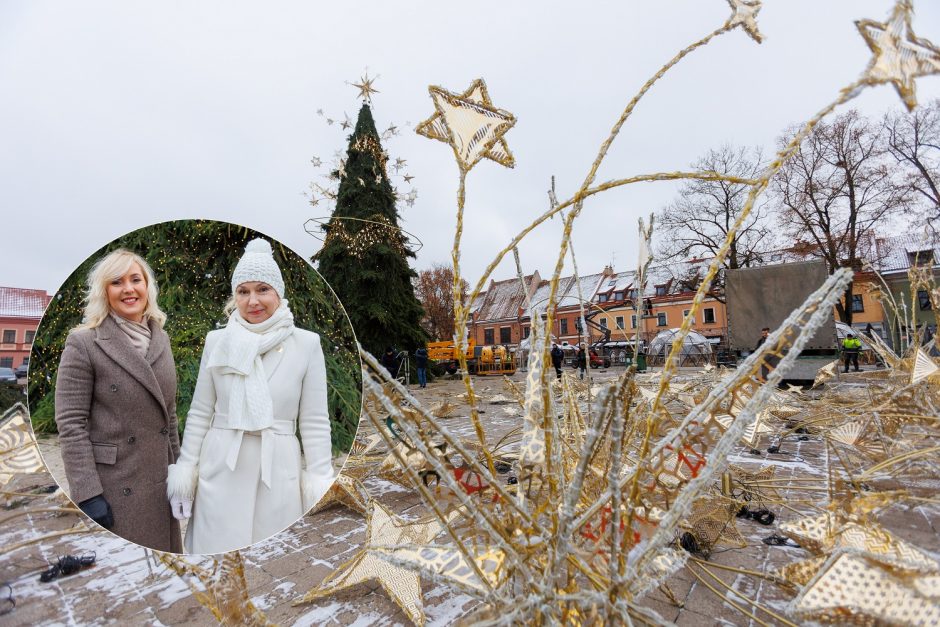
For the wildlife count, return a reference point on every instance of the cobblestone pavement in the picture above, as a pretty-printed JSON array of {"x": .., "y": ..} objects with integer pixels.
[{"x": 129, "y": 586}]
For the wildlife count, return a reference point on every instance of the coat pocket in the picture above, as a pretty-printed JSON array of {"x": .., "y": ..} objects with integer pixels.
[{"x": 104, "y": 453}]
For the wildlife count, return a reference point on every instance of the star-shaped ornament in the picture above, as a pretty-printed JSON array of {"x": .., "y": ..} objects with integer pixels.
[
  {"x": 899, "y": 56},
  {"x": 383, "y": 529},
  {"x": 408, "y": 178},
  {"x": 346, "y": 123},
  {"x": 745, "y": 16},
  {"x": 470, "y": 123},
  {"x": 316, "y": 162},
  {"x": 365, "y": 88}
]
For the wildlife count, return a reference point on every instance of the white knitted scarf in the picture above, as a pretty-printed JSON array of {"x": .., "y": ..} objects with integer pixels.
[{"x": 238, "y": 353}]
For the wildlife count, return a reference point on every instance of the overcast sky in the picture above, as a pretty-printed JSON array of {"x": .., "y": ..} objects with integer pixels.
[{"x": 115, "y": 115}]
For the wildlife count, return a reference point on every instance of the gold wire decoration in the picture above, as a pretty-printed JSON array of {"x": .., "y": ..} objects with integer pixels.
[
  {"x": 19, "y": 453},
  {"x": 853, "y": 588},
  {"x": 470, "y": 123},
  {"x": 745, "y": 16},
  {"x": 223, "y": 589},
  {"x": 923, "y": 366},
  {"x": 402, "y": 585},
  {"x": 899, "y": 55},
  {"x": 600, "y": 492}
]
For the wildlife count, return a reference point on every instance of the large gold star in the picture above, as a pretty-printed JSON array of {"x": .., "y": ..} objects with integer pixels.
[
  {"x": 403, "y": 586},
  {"x": 365, "y": 88},
  {"x": 899, "y": 56},
  {"x": 745, "y": 16},
  {"x": 470, "y": 123}
]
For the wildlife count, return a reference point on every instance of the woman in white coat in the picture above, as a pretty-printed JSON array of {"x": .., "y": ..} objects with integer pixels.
[{"x": 239, "y": 474}]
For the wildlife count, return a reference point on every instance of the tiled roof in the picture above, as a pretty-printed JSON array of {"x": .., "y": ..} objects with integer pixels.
[
  {"x": 16, "y": 302},
  {"x": 895, "y": 253},
  {"x": 503, "y": 300}
]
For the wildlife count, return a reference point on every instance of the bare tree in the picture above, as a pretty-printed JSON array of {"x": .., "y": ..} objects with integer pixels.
[
  {"x": 696, "y": 224},
  {"x": 913, "y": 140},
  {"x": 434, "y": 288},
  {"x": 837, "y": 193}
]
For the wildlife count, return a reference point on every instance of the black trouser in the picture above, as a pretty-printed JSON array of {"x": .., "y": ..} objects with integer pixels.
[
  {"x": 557, "y": 369},
  {"x": 853, "y": 357}
]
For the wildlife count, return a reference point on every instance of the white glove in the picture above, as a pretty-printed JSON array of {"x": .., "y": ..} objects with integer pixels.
[{"x": 181, "y": 507}]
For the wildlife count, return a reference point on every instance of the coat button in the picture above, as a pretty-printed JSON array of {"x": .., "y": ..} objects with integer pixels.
[
  {"x": 113, "y": 387},
  {"x": 127, "y": 491},
  {"x": 131, "y": 440},
  {"x": 164, "y": 430}
]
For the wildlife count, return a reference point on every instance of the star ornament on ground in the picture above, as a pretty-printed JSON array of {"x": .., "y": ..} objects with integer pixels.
[
  {"x": 383, "y": 529},
  {"x": 899, "y": 56},
  {"x": 470, "y": 123},
  {"x": 745, "y": 16}
]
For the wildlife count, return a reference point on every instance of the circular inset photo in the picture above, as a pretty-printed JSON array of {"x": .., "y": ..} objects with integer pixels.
[{"x": 194, "y": 386}]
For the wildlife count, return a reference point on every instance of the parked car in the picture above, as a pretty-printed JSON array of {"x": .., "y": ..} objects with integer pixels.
[
  {"x": 7, "y": 376},
  {"x": 21, "y": 371}
]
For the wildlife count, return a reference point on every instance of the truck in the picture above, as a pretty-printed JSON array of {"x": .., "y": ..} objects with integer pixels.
[
  {"x": 481, "y": 360},
  {"x": 764, "y": 296}
]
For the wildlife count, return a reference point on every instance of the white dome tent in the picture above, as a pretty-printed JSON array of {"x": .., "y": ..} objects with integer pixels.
[{"x": 696, "y": 349}]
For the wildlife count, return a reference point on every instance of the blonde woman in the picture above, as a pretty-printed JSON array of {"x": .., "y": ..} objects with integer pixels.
[
  {"x": 115, "y": 405},
  {"x": 240, "y": 475}
]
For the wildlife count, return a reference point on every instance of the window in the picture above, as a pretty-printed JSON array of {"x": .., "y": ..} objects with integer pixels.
[
  {"x": 612, "y": 283},
  {"x": 505, "y": 335},
  {"x": 9, "y": 336},
  {"x": 6, "y": 362},
  {"x": 602, "y": 298},
  {"x": 661, "y": 319},
  {"x": 603, "y": 323},
  {"x": 488, "y": 336},
  {"x": 685, "y": 314},
  {"x": 26, "y": 360},
  {"x": 525, "y": 332},
  {"x": 857, "y": 303},
  {"x": 921, "y": 257},
  {"x": 633, "y": 294},
  {"x": 708, "y": 315},
  {"x": 619, "y": 321},
  {"x": 28, "y": 339},
  {"x": 923, "y": 301},
  {"x": 633, "y": 321},
  {"x": 618, "y": 295},
  {"x": 660, "y": 290},
  {"x": 564, "y": 326}
]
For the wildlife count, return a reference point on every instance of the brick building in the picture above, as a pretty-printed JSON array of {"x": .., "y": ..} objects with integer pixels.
[{"x": 20, "y": 312}]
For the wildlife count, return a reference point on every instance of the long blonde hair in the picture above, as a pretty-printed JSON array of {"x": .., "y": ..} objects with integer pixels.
[{"x": 113, "y": 266}]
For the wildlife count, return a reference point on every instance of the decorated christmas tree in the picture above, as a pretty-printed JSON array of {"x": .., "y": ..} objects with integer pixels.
[
  {"x": 365, "y": 254},
  {"x": 193, "y": 262}
]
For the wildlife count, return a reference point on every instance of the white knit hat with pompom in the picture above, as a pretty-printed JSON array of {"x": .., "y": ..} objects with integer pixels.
[{"x": 257, "y": 264}]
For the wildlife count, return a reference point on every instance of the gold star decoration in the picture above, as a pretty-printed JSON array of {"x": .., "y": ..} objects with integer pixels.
[
  {"x": 365, "y": 88},
  {"x": 470, "y": 123},
  {"x": 399, "y": 164},
  {"x": 899, "y": 56},
  {"x": 348, "y": 491},
  {"x": 223, "y": 589},
  {"x": 408, "y": 178},
  {"x": 346, "y": 123},
  {"x": 403, "y": 586},
  {"x": 745, "y": 16},
  {"x": 859, "y": 589}
]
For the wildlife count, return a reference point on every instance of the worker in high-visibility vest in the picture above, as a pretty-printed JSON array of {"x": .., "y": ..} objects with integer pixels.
[{"x": 851, "y": 346}]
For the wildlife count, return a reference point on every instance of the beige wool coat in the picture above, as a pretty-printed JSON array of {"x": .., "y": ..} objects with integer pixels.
[{"x": 116, "y": 414}]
